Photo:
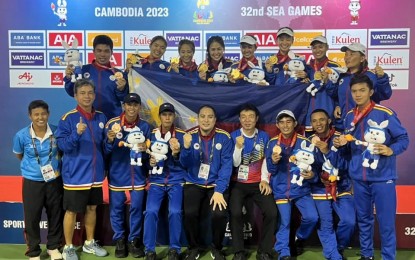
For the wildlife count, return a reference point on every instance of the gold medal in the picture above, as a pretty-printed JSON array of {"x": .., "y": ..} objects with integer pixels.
[
  {"x": 133, "y": 59},
  {"x": 203, "y": 68},
  {"x": 318, "y": 75},
  {"x": 273, "y": 59},
  {"x": 175, "y": 60},
  {"x": 236, "y": 74},
  {"x": 277, "y": 149},
  {"x": 118, "y": 75},
  {"x": 116, "y": 128}
]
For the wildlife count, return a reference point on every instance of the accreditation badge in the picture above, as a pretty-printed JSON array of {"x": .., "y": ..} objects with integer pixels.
[
  {"x": 243, "y": 172},
  {"x": 47, "y": 172},
  {"x": 204, "y": 171}
]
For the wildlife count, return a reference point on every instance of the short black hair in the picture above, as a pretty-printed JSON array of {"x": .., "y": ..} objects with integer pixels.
[
  {"x": 206, "y": 106},
  {"x": 103, "y": 39},
  {"x": 320, "y": 110},
  {"x": 250, "y": 107},
  {"x": 156, "y": 38},
  {"x": 38, "y": 104},
  {"x": 188, "y": 42},
  {"x": 83, "y": 82},
  {"x": 361, "y": 78}
]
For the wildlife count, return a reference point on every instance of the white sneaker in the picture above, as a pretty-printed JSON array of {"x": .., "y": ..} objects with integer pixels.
[
  {"x": 34, "y": 258},
  {"x": 55, "y": 254}
]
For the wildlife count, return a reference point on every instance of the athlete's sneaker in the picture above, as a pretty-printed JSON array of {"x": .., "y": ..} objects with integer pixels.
[
  {"x": 69, "y": 253},
  {"x": 217, "y": 254},
  {"x": 121, "y": 248},
  {"x": 173, "y": 255},
  {"x": 34, "y": 258},
  {"x": 54, "y": 254},
  {"x": 192, "y": 254},
  {"x": 93, "y": 248},
  {"x": 151, "y": 255}
]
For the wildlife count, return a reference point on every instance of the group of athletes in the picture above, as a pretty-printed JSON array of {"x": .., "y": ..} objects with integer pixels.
[{"x": 345, "y": 161}]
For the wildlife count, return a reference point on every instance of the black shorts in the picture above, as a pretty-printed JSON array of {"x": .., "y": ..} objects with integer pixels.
[{"x": 77, "y": 200}]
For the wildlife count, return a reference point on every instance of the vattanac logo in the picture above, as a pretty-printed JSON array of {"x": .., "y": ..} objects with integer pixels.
[{"x": 203, "y": 15}]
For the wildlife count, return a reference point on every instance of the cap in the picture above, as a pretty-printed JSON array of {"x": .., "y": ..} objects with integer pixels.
[
  {"x": 132, "y": 97},
  {"x": 166, "y": 107},
  {"x": 319, "y": 38},
  {"x": 355, "y": 47},
  {"x": 248, "y": 39},
  {"x": 285, "y": 112},
  {"x": 285, "y": 30}
]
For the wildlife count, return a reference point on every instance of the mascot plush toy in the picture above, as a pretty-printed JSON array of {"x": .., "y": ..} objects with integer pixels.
[
  {"x": 256, "y": 75},
  {"x": 317, "y": 83},
  {"x": 303, "y": 158},
  {"x": 221, "y": 75},
  {"x": 375, "y": 134},
  {"x": 73, "y": 58},
  {"x": 159, "y": 149},
  {"x": 133, "y": 141},
  {"x": 293, "y": 66}
]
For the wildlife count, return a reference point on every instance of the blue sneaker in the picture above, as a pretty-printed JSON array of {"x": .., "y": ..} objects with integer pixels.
[
  {"x": 94, "y": 248},
  {"x": 69, "y": 253}
]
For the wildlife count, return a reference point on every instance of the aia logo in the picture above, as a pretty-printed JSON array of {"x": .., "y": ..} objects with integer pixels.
[
  {"x": 26, "y": 76},
  {"x": 56, "y": 38},
  {"x": 56, "y": 78}
]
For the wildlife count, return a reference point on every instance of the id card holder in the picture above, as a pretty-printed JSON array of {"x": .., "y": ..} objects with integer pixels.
[
  {"x": 243, "y": 171},
  {"x": 204, "y": 171},
  {"x": 47, "y": 172}
]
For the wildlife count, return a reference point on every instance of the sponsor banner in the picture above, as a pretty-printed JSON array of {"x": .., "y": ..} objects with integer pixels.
[
  {"x": 197, "y": 57},
  {"x": 27, "y": 39},
  {"x": 231, "y": 38},
  {"x": 36, "y": 78},
  {"x": 116, "y": 37},
  {"x": 139, "y": 39},
  {"x": 389, "y": 38},
  {"x": 263, "y": 56},
  {"x": 302, "y": 38},
  {"x": 339, "y": 38},
  {"x": 336, "y": 56},
  {"x": 27, "y": 59},
  {"x": 173, "y": 38},
  {"x": 306, "y": 55},
  {"x": 55, "y": 38},
  {"x": 267, "y": 39},
  {"x": 54, "y": 55},
  {"x": 389, "y": 59},
  {"x": 398, "y": 79},
  {"x": 233, "y": 56},
  {"x": 117, "y": 59}
]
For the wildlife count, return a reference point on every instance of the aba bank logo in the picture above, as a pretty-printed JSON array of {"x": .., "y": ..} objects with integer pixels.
[
  {"x": 390, "y": 38},
  {"x": 389, "y": 59},
  {"x": 55, "y": 38},
  {"x": 265, "y": 39},
  {"x": 263, "y": 56},
  {"x": 53, "y": 56},
  {"x": 56, "y": 78},
  {"x": 232, "y": 56},
  {"x": 116, "y": 59},
  {"x": 173, "y": 38},
  {"x": 339, "y": 38},
  {"x": 231, "y": 39},
  {"x": 27, "y": 59},
  {"x": 24, "y": 39},
  {"x": 139, "y": 39},
  {"x": 116, "y": 37}
]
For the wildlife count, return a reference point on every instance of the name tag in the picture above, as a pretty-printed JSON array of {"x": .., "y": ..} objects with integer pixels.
[
  {"x": 243, "y": 172},
  {"x": 204, "y": 171},
  {"x": 47, "y": 172}
]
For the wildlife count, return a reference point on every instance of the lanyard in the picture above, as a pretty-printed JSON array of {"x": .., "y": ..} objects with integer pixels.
[
  {"x": 104, "y": 67},
  {"x": 128, "y": 125},
  {"x": 201, "y": 150},
  {"x": 37, "y": 153},
  {"x": 293, "y": 140},
  {"x": 251, "y": 154},
  {"x": 316, "y": 65},
  {"x": 358, "y": 115}
]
